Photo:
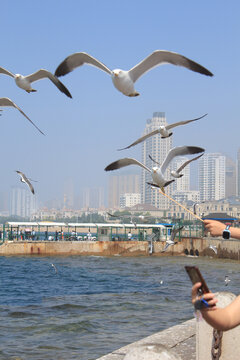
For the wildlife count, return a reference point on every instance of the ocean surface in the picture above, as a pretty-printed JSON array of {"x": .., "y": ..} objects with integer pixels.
[{"x": 65, "y": 308}]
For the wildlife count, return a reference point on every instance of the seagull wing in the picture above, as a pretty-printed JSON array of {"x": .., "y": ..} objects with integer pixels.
[
  {"x": 9, "y": 102},
  {"x": 125, "y": 162},
  {"x": 160, "y": 57},
  {"x": 183, "y": 122},
  {"x": 178, "y": 151},
  {"x": 42, "y": 73},
  {"x": 141, "y": 139},
  {"x": 6, "y": 72},
  {"x": 187, "y": 162},
  {"x": 25, "y": 179},
  {"x": 78, "y": 59},
  {"x": 154, "y": 160},
  {"x": 113, "y": 215},
  {"x": 167, "y": 246},
  {"x": 175, "y": 231}
]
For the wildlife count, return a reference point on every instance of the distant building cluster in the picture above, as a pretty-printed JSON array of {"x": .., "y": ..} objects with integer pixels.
[{"x": 217, "y": 177}]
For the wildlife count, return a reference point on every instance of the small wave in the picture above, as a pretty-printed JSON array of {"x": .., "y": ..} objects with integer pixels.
[
  {"x": 20, "y": 314},
  {"x": 68, "y": 307}
]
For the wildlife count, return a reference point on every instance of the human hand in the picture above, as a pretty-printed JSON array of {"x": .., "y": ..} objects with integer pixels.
[
  {"x": 209, "y": 298},
  {"x": 214, "y": 227}
]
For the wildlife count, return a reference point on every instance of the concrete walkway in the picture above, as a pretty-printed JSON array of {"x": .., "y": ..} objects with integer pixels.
[{"x": 180, "y": 338}]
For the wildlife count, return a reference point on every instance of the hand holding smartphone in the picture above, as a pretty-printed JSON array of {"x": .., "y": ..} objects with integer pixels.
[{"x": 196, "y": 276}]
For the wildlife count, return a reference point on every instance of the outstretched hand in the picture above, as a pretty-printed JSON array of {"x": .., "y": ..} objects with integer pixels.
[{"x": 214, "y": 227}]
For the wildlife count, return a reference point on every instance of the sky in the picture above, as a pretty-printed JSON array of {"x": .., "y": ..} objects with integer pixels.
[{"x": 83, "y": 133}]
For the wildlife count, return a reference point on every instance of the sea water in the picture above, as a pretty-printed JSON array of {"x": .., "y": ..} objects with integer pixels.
[{"x": 84, "y": 307}]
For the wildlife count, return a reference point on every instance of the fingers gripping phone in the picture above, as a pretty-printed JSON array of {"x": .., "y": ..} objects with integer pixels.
[{"x": 196, "y": 276}]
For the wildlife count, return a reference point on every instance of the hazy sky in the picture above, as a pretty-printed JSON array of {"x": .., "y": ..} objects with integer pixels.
[{"x": 83, "y": 133}]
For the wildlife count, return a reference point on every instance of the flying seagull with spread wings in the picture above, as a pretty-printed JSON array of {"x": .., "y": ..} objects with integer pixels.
[
  {"x": 24, "y": 82},
  {"x": 9, "y": 102},
  {"x": 157, "y": 172},
  {"x": 124, "y": 80},
  {"x": 171, "y": 242},
  {"x": 162, "y": 130},
  {"x": 177, "y": 174},
  {"x": 25, "y": 180}
]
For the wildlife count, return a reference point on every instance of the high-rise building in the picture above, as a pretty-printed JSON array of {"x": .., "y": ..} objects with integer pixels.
[
  {"x": 238, "y": 173},
  {"x": 158, "y": 149},
  {"x": 22, "y": 202},
  {"x": 212, "y": 170},
  {"x": 92, "y": 198},
  {"x": 119, "y": 185},
  {"x": 230, "y": 182},
  {"x": 130, "y": 199}
]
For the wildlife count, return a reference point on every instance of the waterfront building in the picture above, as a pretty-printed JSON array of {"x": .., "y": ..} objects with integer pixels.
[
  {"x": 184, "y": 196},
  {"x": 119, "y": 185},
  {"x": 212, "y": 173},
  {"x": 158, "y": 149},
  {"x": 22, "y": 202}
]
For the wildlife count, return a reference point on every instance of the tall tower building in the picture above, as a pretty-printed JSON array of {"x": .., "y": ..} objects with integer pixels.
[
  {"x": 119, "y": 185},
  {"x": 212, "y": 168},
  {"x": 158, "y": 149},
  {"x": 230, "y": 183},
  {"x": 22, "y": 202},
  {"x": 92, "y": 197}
]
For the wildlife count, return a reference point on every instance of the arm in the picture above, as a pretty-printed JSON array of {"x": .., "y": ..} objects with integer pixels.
[
  {"x": 216, "y": 228},
  {"x": 220, "y": 319}
]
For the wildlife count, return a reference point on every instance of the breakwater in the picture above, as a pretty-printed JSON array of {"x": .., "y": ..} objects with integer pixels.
[{"x": 229, "y": 249}]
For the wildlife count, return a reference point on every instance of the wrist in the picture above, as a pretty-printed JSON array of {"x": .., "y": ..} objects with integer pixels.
[{"x": 226, "y": 234}]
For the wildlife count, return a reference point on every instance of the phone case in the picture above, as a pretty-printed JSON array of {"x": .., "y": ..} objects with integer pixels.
[{"x": 196, "y": 276}]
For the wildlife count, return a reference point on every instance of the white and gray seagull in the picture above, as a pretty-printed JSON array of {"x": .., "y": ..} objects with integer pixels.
[
  {"x": 171, "y": 242},
  {"x": 9, "y": 102},
  {"x": 177, "y": 174},
  {"x": 124, "y": 80},
  {"x": 214, "y": 248},
  {"x": 24, "y": 82},
  {"x": 162, "y": 130},
  {"x": 157, "y": 172},
  {"x": 25, "y": 180}
]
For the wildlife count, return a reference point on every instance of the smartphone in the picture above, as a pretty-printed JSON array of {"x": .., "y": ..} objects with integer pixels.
[{"x": 196, "y": 276}]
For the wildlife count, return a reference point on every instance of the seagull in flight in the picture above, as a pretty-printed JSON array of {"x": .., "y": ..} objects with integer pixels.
[
  {"x": 157, "y": 172},
  {"x": 162, "y": 130},
  {"x": 177, "y": 174},
  {"x": 214, "y": 248},
  {"x": 25, "y": 180},
  {"x": 55, "y": 268},
  {"x": 227, "y": 280},
  {"x": 24, "y": 82},
  {"x": 124, "y": 80},
  {"x": 9, "y": 102},
  {"x": 171, "y": 241}
]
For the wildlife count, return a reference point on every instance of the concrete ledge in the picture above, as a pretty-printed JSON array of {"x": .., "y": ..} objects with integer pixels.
[{"x": 180, "y": 338}]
